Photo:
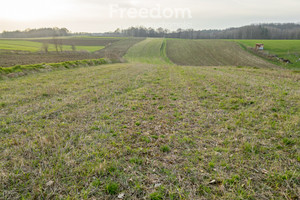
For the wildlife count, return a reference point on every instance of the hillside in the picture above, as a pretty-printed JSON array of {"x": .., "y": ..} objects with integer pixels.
[{"x": 211, "y": 53}]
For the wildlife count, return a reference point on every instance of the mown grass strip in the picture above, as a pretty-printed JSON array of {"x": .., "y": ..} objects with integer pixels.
[
  {"x": 163, "y": 52},
  {"x": 151, "y": 50}
]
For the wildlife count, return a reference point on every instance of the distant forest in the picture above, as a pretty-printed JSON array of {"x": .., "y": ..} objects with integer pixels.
[
  {"x": 259, "y": 31},
  {"x": 255, "y": 31},
  {"x": 32, "y": 33}
]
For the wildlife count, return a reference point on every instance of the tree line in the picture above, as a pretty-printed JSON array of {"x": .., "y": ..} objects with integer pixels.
[
  {"x": 255, "y": 31},
  {"x": 41, "y": 32}
]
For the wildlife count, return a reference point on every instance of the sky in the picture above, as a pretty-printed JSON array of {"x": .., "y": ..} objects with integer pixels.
[{"x": 108, "y": 15}]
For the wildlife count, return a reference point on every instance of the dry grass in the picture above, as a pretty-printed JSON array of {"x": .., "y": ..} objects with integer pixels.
[{"x": 150, "y": 132}]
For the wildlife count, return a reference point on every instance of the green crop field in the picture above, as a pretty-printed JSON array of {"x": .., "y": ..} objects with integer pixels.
[
  {"x": 23, "y": 45},
  {"x": 20, "y": 45},
  {"x": 149, "y": 129},
  {"x": 288, "y": 49},
  {"x": 211, "y": 53}
]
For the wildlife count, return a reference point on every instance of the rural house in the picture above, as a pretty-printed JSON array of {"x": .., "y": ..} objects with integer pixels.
[{"x": 259, "y": 46}]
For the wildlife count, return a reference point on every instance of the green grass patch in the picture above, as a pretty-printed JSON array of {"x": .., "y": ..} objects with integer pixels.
[
  {"x": 288, "y": 49},
  {"x": 112, "y": 188},
  {"x": 165, "y": 148}
]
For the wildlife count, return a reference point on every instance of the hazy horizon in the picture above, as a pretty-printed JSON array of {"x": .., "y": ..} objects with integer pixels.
[{"x": 98, "y": 16}]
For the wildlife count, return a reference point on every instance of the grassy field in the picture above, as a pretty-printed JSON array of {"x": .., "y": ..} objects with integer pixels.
[
  {"x": 144, "y": 130},
  {"x": 151, "y": 50},
  {"x": 23, "y": 45},
  {"x": 20, "y": 45},
  {"x": 288, "y": 49},
  {"x": 151, "y": 131},
  {"x": 211, "y": 53}
]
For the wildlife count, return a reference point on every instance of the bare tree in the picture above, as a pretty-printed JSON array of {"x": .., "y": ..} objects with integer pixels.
[
  {"x": 60, "y": 45},
  {"x": 55, "y": 42},
  {"x": 45, "y": 47},
  {"x": 73, "y": 47}
]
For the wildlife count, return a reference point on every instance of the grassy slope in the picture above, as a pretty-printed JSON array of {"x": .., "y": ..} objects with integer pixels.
[
  {"x": 151, "y": 50},
  {"x": 118, "y": 49},
  {"x": 288, "y": 49},
  {"x": 211, "y": 53},
  {"x": 160, "y": 132},
  {"x": 23, "y": 45}
]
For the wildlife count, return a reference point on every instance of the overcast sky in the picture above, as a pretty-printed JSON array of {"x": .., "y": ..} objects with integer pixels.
[{"x": 108, "y": 15}]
